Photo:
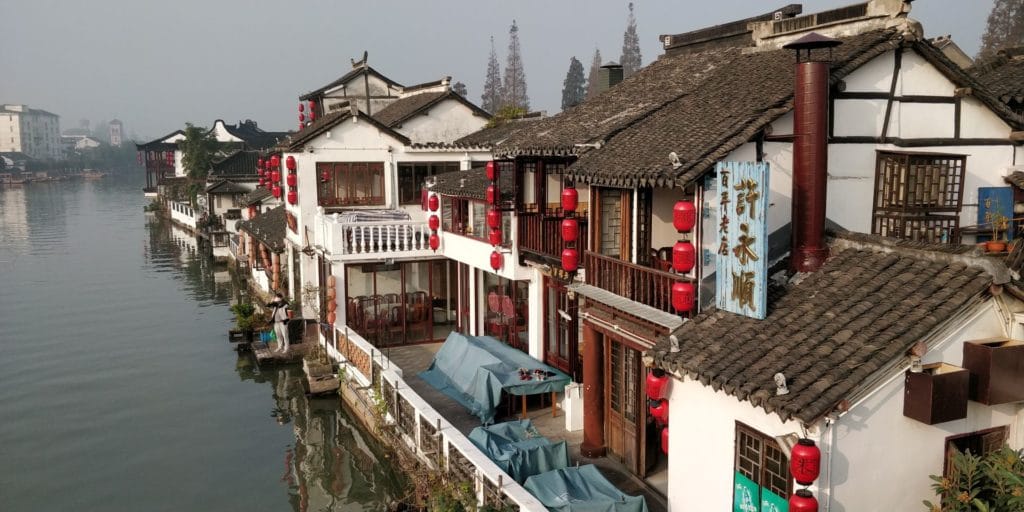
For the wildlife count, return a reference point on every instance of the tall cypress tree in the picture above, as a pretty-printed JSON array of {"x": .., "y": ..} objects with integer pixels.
[
  {"x": 1005, "y": 27},
  {"x": 515, "y": 77},
  {"x": 491, "y": 98},
  {"x": 630, "y": 46},
  {"x": 574, "y": 89},
  {"x": 592, "y": 77}
]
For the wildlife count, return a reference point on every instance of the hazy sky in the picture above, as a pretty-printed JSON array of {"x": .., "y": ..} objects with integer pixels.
[{"x": 156, "y": 65}]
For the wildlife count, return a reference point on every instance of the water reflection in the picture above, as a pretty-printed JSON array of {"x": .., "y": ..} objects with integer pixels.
[
  {"x": 172, "y": 249},
  {"x": 332, "y": 465}
]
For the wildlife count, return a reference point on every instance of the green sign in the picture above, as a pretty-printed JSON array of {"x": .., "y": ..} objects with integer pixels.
[
  {"x": 746, "y": 494},
  {"x": 772, "y": 503}
]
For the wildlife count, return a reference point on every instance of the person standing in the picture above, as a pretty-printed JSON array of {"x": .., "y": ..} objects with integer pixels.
[{"x": 279, "y": 316}]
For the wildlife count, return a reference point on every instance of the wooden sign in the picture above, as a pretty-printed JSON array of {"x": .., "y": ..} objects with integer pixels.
[{"x": 741, "y": 258}]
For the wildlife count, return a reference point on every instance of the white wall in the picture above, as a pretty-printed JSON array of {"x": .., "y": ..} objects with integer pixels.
[{"x": 444, "y": 122}]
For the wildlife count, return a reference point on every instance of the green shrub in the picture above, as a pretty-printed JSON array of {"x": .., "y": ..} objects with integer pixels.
[{"x": 992, "y": 483}]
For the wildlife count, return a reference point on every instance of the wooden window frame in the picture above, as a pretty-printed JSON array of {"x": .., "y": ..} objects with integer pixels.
[
  {"x": 918, "y": 196},
  {"x": 408, "y": 177},
  {"x": 951, "y": 442},
  {"x": 344, "y": 176},
  {"x": 567, "y": 361},
  {"x": 761, "y": 472}
]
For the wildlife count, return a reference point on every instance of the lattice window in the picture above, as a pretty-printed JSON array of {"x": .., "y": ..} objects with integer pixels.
[
  {"x": 918, "y": 196},
  {"x": 460, "y": 466},
  {"x": 429, "y": 443},
  {"x": 759, "y": 458},
  {"x": 406, "y": 416}
]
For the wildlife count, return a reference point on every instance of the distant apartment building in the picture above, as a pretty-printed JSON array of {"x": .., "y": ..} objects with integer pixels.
[
  {"x": 116, "y": 133},
  {"x": 31, "y": 131}
]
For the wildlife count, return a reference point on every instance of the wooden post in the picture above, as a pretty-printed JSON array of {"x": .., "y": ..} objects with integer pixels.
[
  {"x": 593, "y": 395},
  {"x": 524, "y": 407}
]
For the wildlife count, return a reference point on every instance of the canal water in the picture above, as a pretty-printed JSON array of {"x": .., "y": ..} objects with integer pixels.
[{"x": 119, "y": 390}]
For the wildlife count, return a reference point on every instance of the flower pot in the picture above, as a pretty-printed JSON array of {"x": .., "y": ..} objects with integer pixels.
[{"x": 995, "y": 246}]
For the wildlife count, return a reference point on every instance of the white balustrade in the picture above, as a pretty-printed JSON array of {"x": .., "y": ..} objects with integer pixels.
[{"x": 390, "y": 238}]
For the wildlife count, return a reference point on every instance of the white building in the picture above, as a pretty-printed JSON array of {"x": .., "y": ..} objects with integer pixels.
[{"x": 31, "y": 131}]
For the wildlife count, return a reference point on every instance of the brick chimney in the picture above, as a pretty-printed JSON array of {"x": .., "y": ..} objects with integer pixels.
[{"x": 810, "y": 150}]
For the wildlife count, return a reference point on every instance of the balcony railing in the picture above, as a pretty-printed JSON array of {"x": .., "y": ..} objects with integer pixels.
[
  {"x": 378, "y": 239},
  {"x": 635, "y": 282},
  {"x": 541, "y": 233}
]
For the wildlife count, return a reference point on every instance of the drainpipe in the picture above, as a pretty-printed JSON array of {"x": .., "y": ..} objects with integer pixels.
[{"x": 810, "y": 150}]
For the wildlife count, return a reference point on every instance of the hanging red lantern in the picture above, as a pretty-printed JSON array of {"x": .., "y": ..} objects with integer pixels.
[
  {"x": 260, "y": 163},
  {"x": 325, "y": 176},
  {"x": 684, "y": 216},
  {"x": 682, "y": 297},
  {"x": 492, "y": 171},
  {"x": 658, "y": 410},
  {"x": 492, "y": 195},
  {"x": 496, "y": 260},
  {"x": 684, "y": 257},
  {"x": 312, "y": 106},
  {"x": 312, "y": 115},
  {"x": 293, "y": 196},
  {"x": 570, "y": 199},
  {"x": 805, "y": 462},
  {"x": 263, "y": 181},
  {"x": 169, "y": 156},
  {"x": 435, "y": 241},
  {"x": 570, "y": 260},
  {"x": 494, "y": 237},
  {"x": 664, "y": 440},
  {"x": 433, "y": 202},
  {"x": 570, "y": 230},
  {"x": 275, "y": 176},
  {"x": 331, "y": 317},
  {"x": 332, "y": 306},
  {"x": 302, "y": 106},
  {"x": 260, "y": 172},
  {"x": 302, "y": 117},
  {"x": 290, "y": 163},
  {"x": 434, "y": 222},
  {"x": 494, "y": 218},
  {"x": 275, "y": 163},
  {"x": 292, "y": 179},
  {"x": 276, "y": 191},
  {"x": 657, "y": 381},
  {"x": 803, "y": 501}
]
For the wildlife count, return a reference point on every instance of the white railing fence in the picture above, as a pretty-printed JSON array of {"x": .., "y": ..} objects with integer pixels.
[{"x": 370, "y": 238}]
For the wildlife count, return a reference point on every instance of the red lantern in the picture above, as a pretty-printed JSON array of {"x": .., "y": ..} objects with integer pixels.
[
  {"x": 434, "y": 222},
  {"x": 325, "y": 176},
  {"x": 302, "y": 117},
  {"x": 656, "y": 383},
  {"x": 682, "y": 297},
  {"x": 492, "y": 195},
  {"x": 659, "y": 410},
  {"x": 664, "y": 440},
  {"x": 433, "y": 202},
  {"x": 260, "y": 172},
  {"x": 312, "y": 114},
  {"x": 312, "y": 106},
  {"x": 570, "y": 199},
  {"x": 260, "y": 163},
  {"x": 494, "y": 237},
  {"x": 292, "y": 179},
  {"x": 275, "y": 176},
  {"x": 494, "y": 218},
  {"x": 169, "y": 156},
  {"x": 684, "y": 216},
  {"x": 496, "y": 260},
  {"x": 263, "y": 181},
  {"x": 803, "y": 501},
  {"x": 423, "y": 198},
  {"x": 435, "y": 241},
  {"x": 570, "y": 230},
  {"x": 492, "y": 171},
  {"x": 290, "y": 163},
  {"x": 275, "y": 163},
  {"x": 302, "y": 106},
  {"x": 570, "y": 260},
  {"x": 293, "y": 196},
  {"x": 276, "y": 191},
  {"x": 805, "y": 462},
  {"x": 684, "y": 257},
  {"x": 331, "y": 317}
]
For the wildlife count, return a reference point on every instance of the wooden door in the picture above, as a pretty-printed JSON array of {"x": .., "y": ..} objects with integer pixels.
[
  {"x": 624, "y": 410},
  {"x": 612, "y": 228}
]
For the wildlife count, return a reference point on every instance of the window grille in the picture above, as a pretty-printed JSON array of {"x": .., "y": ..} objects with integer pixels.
[{"x": 918, "y": 196}]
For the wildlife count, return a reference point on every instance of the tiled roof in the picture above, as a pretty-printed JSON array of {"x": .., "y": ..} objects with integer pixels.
[
  {"x": 1003, "y": 74},
  {"x": 238, "y": 163},
  {"x": 495, "y": 135},
  {"x": 470, "y": 184},
  {"x": 253, "y": 136},
  {"x": 638, "y": 310},
  {"x": 1016, "y": 178},
  {"x": 268, "y": 228},
  {"x": 357, "y": 70},
  {"x": 734, "y": 101},
  {"x": 597, "y": 119},
  {"x": 835, "y": 330},
  {"x": 398, "y": 111},
  {"x": 325, "y": 123},
  {"x": 256, "y": 196},
  {"x": 227, "y": 187}
]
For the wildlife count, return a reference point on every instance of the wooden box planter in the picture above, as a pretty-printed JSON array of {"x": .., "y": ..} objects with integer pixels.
[
  {"x": 937, "y": 394},
  {"x": 997, "y": 370}
]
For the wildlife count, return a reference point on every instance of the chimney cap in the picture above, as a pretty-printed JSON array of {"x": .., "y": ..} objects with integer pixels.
[
  {"x": 612, "y": 65},
  {"x": 812, "y": 41}
]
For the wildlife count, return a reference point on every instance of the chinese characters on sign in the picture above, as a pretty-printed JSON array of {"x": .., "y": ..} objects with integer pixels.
[{"x": 742, "y": 261}]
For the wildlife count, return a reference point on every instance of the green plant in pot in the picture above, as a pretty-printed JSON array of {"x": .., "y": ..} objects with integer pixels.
[
  {"x": 998, "y": 224},
  {"x": 245, "y": 318}
]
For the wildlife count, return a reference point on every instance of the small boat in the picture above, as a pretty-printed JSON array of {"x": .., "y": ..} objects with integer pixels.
[{"x": 93, "y": 175}]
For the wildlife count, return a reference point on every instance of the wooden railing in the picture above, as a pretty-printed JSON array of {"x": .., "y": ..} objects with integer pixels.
[
  {"x": 541, "y": 233},
  {"x": 635, "y": 282}
]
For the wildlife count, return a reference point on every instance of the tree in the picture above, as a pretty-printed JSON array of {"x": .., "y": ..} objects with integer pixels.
[
  {"x": 574, "y": 88},
  {"x": 595, "y": 70},
  {"x": 491, "y": 98},
  {"x": 1005, "y": 27},
  {"x": 460, "y": 89},
  {"x": 630, "y": 46},
  {"x": 515, "y": 77},
  {"x": 197, "y": 151}
]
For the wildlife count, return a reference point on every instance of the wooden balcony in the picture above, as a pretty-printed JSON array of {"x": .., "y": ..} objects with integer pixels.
[
  {"x": 541, "y": 234},
  {"x": 638, "y": 283}
]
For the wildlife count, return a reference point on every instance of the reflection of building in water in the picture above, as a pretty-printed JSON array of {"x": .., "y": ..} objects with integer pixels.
[
  {"x": 14, "y": 239},
  {"x": 331, "y": 466}
]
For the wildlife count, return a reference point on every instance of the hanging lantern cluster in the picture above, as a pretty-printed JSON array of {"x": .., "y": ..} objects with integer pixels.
[
  {"x": 684, "y": 255},
  {"x": 274, "y": 173},
  {"x": 261, "y": 171},
  {"x": 306, "y": 114},
  {"x": 805, "y": 466},
  {"x": 169, "y": 156},
  {"x": 434, "y": 222},
  {"x": 657, "y": 381},
  {"x": 570, "y": 228},
  {"x": 292, "y": 179},
  {"x": 493, "y": 196},
  {"x": 332, "y": 302},
  {"x": 302, "y": 115}
]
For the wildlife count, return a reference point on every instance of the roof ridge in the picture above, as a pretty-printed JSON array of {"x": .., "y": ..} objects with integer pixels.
[{"x": 964, "y": 255}]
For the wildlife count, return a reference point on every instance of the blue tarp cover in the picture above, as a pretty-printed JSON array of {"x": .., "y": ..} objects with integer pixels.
[
  {"x": 518, "y": 449},
  {"x": 474, "y": 370},
  {"x": 582, "y": 489}
]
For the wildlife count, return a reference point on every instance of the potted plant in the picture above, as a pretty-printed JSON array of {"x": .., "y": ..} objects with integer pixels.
[
  {"x": 245, "y": 320},
  {"x": 998, "y": 223}
]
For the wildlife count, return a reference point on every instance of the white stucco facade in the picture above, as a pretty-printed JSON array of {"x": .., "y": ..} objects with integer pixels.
[{"x": 34, "y": 132}]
